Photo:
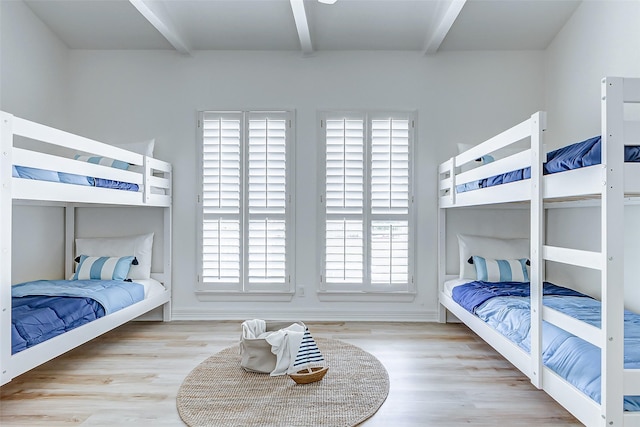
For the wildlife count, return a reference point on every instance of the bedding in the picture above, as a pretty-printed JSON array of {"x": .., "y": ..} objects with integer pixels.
[
  {"x": 501, "y": 270},
  {"x": 68, "y": 178},
  {"x": 574, "y": 156},
  {"x": 488, "y": 247},
  {"x": 102, "y": 268},
  {"x": 506, "y": 308},
  {"x": 44, "y": 309},
  {"x": 140, "y": 246}
]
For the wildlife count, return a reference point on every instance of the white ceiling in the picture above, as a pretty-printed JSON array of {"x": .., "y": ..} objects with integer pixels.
[{"x": 305, "y": 25}]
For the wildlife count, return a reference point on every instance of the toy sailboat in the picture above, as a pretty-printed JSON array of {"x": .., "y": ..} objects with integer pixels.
[{"x": 309, "y": 360}]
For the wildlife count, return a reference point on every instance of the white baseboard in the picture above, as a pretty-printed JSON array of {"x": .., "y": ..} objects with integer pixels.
[{"x": 308, "y": 315}]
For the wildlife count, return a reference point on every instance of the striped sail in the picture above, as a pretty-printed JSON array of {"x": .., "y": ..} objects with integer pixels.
[{"x": 308, "y": 354}]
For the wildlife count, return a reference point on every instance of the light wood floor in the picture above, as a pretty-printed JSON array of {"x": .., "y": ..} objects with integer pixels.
[{"x": 441, "y": 375}]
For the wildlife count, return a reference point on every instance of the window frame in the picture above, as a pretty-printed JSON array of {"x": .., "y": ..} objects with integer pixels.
[
  {"x": 244, "y": 286},
  {"x": 366, "y": 286}
]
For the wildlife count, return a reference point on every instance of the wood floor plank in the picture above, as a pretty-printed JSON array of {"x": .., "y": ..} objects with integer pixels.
[{"x": 441, "y": 375}]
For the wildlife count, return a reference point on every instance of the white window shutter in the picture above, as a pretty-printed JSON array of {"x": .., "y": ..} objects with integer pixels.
[
  {"x": 345, "y": 166},
  {"x": 389, "y": 252},
  {"x": 221, "y": 251},
  {"x": 389, "y": 201},
  {"x": 245, "y": 212},
  {"x": 367, "y": 227},
  {"x": 221, "y": 197},
  {"x": 344, "y": 251},
  {"x": 267, "y": 172},
  {"x": 344, "y": 193},
  {"x": 390, "y": 166}
]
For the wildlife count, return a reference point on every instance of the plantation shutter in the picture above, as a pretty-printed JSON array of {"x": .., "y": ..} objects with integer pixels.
[
  {"x": 221, "y": 197},
  {"x": 368, "y": 203},
  {"x": 267, "y": 197},
  {"x": 245, "y": 207},
  {"x": 344, "y": 237},
  {"x": 389, "y": 201}
]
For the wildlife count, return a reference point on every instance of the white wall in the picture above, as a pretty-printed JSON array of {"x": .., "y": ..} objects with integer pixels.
[
  {"x": 33, "y": 85},
  {"x": 465, "y": 96},
  {"x": 33, "y": 65},
  {"x": 601, "y": 39}
]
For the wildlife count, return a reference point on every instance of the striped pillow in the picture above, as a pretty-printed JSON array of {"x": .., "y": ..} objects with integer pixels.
[
  {"x": 104, "y": 161},
  {"x": 501, "y": 270},
  {"x": 103, "y": 268}
]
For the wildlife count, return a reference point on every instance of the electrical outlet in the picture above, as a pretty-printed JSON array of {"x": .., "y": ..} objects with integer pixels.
[{"x": 300, "y": 291}]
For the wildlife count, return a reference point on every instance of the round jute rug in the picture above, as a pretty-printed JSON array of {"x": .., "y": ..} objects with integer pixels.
[{"x": 218, "y": 392}]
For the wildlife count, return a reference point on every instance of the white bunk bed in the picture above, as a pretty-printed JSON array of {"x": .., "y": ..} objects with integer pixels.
[
  {"x": 153, "y": 178},
  {"x": 613, "y": 182}
]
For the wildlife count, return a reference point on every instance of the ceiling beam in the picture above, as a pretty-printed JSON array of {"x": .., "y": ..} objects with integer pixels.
[
  {"x": 442, "y": 27},
  {"x": 160, "y": 20},
  {"x": 302, "y": 25}
]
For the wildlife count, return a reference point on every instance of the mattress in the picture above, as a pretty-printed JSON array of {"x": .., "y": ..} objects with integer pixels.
[
  {"x": 42, "y": 310},
  {"x": 574, "y": 156},
  {"x": 577, "y": 361}
]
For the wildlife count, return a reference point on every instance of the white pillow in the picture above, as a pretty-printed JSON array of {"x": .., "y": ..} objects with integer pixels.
[
  {"x": 139, "y": 246},
  {"x": 143, "y": 147},
  {"x": 488, "y": 247}
]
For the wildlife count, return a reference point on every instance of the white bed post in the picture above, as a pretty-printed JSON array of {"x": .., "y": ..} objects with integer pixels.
[
  {"x": 6, "y": 147},
  {"x": 538, "y": 125},
  {"x": 166, "y": 308},
  {"x": 442, "y": 232},
  {"x": 69, "y": 238},
  {"x": 442, "y": 245},
  {"x": 612, "y": 252}
]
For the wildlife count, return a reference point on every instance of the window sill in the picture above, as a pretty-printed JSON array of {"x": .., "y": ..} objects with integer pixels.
[
  {"x": 372, "y": 296},
  {"x": 223, "y": 296}
]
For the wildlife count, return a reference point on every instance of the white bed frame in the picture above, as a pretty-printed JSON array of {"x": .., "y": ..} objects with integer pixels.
[
  {"x": 613, "y": 182},
  {"x": 154, "y": 182}
]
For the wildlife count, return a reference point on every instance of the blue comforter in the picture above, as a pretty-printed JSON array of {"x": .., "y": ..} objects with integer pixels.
[
  {"x": 574, "y": 156},
  {"x": 69, "y": 178},
  {"x": 471, "y": 295},
  {"x": 572, "y": 358},
  {"x": 44, "y": 309}
]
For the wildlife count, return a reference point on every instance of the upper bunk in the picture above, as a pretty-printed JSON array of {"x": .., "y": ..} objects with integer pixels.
[
  {"x": 41, "y": 163},
  {"x": 562, "y": 173}
]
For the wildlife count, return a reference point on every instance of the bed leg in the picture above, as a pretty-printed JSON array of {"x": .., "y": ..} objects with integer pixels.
[
  {"x": 166, "y": 312},
  {"x": 442, "y": 314}
]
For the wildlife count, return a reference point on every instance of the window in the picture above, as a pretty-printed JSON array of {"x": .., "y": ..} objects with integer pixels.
[
  {"x": 366, "y": 202},
  {"x": 246, "y": 209}
]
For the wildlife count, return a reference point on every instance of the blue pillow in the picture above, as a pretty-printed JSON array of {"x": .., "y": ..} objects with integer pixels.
[
  {"x": 501, "y": 270},
  {"x": 103, "y": 268},
  {"x": 104, "y": 161}
]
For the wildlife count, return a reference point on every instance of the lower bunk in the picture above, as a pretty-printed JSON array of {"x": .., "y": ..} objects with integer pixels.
[
  {"x": 499, "y": 312},
  {"x": 47, "y": 322}
]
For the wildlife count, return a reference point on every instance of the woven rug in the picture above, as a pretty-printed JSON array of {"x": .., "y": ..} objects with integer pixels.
[{"x": 218, "y": 392}]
